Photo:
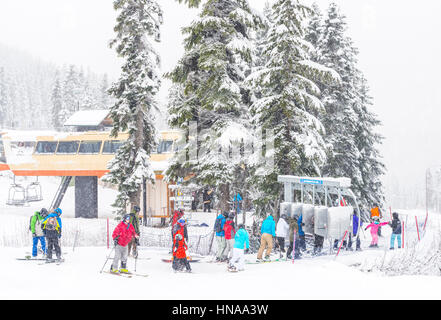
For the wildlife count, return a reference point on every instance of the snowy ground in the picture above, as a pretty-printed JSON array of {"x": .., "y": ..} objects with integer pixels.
[{"x": 325, "y": 277}]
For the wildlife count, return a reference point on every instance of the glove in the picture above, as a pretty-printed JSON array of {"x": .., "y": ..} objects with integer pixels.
[
  {"x": 137, "y": 241},
  {"x": 34, "y": 235},
  {"x": 59, "y": 235},
  {"x": 247, "y": 250},
  {"x": 115, "y": 241}
]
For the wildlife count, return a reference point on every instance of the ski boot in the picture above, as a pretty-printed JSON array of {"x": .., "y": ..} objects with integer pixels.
[
  {"x": 123, "y": 268},
  {"x": 267, "y": 258}
]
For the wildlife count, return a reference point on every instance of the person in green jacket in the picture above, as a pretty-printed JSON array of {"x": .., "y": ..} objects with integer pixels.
[
  {"x": 37, "y": 231},
  {"x": 134, "y": 220}
]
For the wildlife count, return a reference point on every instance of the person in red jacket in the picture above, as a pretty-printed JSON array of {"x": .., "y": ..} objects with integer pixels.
[
  {"x": 179, "y": 254},
  {"x": 122, "y": 235},
  {"x": 230, "y": 232},
  {"x": 177, "y": 215}
]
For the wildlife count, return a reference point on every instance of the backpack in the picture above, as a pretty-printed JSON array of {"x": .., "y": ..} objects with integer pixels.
[
  {"x": 51, "y": 223},
  {"x": 218, "y": 225}
]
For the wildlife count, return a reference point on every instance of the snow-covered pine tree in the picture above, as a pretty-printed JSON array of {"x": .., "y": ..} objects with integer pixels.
[
  {"x": 3, "y": 97},
  {"x": 57, "y": 103},
  {"x": 287, "y": 101},
  {"x": 104, "y": 99},
  {"x": 367, "y": 140},
  {"x": 346, "y": 108},
  {"x": 138, "y": 21},
  {"x": 210, "y": 75},
  {"x": 335, "y": 50},
  {"x": 71, "y": 94}
]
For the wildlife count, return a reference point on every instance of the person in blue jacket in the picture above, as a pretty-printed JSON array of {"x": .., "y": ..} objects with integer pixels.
[
  {"x": 220, "y": 237},
  {"x": 354, "y": 233},
  {"x": 52, "y": 227},
  {"x": 241, "y": 246},
  {"x": 302, "y": 241},
  {"x": 268, "y": 231}
]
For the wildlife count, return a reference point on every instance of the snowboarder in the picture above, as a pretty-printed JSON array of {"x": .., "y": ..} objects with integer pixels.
[
  {"x": 220, "y": 236},
  {"x": 282, "y": 230},
  {"x": 374, "y": 231},
  {"x": 37, "y": 231},
  {"x": 52, "y": 228},
  {"x": 134, "y": 220},
  {"x": 395, "y": 224},
  {"x": 293, "y": 229},
  {"x": 229, "y": 231},
  {"x": 268, "y": 231},
  {"x": 241, "y": 246},
  {"x": 180, "y": 254},
  {"x": 122, "y": 235}
]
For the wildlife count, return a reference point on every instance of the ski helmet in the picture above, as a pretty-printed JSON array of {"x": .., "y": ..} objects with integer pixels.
[
  {"x": 137, "y": 209},
  {"x": 126, "y": 217},
  {"x": 181, "y": 222},
  {"x": 241, "y": 226},
  {"x": 58, "y": 211},
  {"x": 44, "y": 212}
]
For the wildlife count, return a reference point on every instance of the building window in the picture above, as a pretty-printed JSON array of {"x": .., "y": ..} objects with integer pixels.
[
  {"x": 110, "y": 147},
  {"x": 46, "y": 147},
  {"x": 90, "y": 147},
  {"x": 165, "y": 146},
  {"x": 68, "y": 147}
]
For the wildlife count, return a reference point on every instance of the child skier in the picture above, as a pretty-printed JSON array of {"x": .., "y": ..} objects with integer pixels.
[
  {"x": 52, "y": 227},
  {"x": 395, "y": 224},
  {"x": 122, "y": 235},
  {"x": 374, "y": 231},
  {"x": 179, "y": 254},
  {"x": 241, "y": 245},
  {"x": 229, "y": 230},
  {"x": 37, "y": 231}
]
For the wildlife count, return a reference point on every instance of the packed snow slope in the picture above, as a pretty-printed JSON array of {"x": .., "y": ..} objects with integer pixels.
[{"x": 368, "y": 274}]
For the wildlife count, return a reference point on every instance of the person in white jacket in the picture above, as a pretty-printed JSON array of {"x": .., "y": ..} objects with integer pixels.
[{"x": 282, "y": 229}]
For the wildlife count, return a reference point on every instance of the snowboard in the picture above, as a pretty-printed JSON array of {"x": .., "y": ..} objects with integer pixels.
[
  {"x": 31, "y": 259},
  {"x": 49, "y": 261}
]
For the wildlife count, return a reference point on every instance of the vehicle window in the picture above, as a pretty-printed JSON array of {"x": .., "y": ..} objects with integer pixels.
[
  {"x": 21, "y": 148},
  {"x": 165, "y": 146},
  {"x": 67, "y": 147},
  {"x": 110, "y": 147},
  {"x": 46, "y": 147},
  {"x": 90, "y": 147}
]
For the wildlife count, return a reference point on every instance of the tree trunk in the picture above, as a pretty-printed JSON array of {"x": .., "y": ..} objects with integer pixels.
[{"x": 224, "y": 197}]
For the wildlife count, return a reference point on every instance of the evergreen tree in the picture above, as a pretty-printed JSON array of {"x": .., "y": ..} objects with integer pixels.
[
  {"x": 287, "y": 100},
  {"x": 3, "y": 97},
  {"x": 348, "y": 123},
  {"x": 211, "y": 75},
  {"x": 57, "y": 103},
  {"x": 71, "y": 94},
  {"x": 104, "y": 99},
  {"x": 137, "y": 22}
]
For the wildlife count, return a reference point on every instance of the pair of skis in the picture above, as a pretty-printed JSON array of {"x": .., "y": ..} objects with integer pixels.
[{"x": 127, "y": 275}]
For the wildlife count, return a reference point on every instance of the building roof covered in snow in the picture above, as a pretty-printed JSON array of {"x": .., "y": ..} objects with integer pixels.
[{"x": 89, "y": 118}]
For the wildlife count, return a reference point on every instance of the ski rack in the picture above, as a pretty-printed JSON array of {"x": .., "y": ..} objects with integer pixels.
[{"x": 311, "y": 186}]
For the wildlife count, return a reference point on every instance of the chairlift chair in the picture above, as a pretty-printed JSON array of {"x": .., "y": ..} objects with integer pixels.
[
  {"x": 34, "y": 192},
  {"x": 16, "y": 195}
]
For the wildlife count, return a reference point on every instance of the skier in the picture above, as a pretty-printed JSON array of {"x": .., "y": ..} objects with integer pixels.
[
  {"x": 374, "y": 231},
  {"x": 302, "y": 239},
  {"x": 395, "y": 224},
  {"x": 293, "y": 228},
  {"x": 122, "y": 235},
  {"x": 220, "y": 236},
  {"x": 134, "y": 220},
  {"x": 241, "y": 246},
  {"x": 229, "y": 231},
  {"x": 37, "y": 231},
  {"x": 268, "y": 231},
  {"x": 354, "y": 233},
  {"x": 282, "y": 230},
  {"x": 52, "y": 228},
  {"x": 179, "y": 254},
  {"x": 206, "y": 197}
]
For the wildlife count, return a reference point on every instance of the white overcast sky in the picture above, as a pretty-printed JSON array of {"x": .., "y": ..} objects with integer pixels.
[{"x": 398, "y": 41}]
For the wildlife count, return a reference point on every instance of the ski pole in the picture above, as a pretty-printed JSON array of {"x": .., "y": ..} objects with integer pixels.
[
  {"x": 341, "y": 244},
  {"x": 418, "y": 231},
  {"x": 107, "y": 259},
  {"x": 402, "y": 236}
]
